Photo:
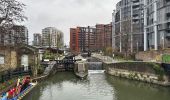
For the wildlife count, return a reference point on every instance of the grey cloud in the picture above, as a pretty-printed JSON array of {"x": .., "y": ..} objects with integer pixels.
[{"x": 64, "y": 14}]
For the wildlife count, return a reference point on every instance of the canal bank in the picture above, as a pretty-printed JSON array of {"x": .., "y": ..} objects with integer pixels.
[
  {"x": 141, "y": 71},
  {"x": 97, "y": 86},
  {"x": 149, "y": 72}
]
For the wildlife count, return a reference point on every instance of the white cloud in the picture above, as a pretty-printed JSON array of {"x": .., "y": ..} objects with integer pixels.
[{"x": 64, "y": 14}]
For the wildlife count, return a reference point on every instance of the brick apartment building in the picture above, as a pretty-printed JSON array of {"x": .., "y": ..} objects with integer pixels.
[
  {"x": 103, "y": 36},
  {"x": 83, "y": 39},
  {"x": 74, "y": 40}
]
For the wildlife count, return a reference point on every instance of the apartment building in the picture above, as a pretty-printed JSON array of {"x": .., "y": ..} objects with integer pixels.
[
  {"x": 128, "y": 23},
  {"x": 37, "y": 39},
  {"x": 52, "y": 37},
  {"x": 103, "y": 36},
  {"x": 17, "y": 35},
  {"x": 157, "y": 24},
  {"x": 83, "y": 39}
]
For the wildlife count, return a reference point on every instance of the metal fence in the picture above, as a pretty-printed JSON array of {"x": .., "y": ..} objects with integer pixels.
[{"x": 20, "y": 71}]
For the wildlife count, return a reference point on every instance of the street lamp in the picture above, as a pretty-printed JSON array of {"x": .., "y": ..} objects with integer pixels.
[
  {"x": 163, "y": 41},
  {"x": 137, "y": 46}
]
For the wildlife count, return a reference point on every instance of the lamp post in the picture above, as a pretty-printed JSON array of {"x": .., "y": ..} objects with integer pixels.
[
  {"x": 137, "y": 46},
  {"x": 120, "y": 45},
  {"x": 163, "y": 41}
]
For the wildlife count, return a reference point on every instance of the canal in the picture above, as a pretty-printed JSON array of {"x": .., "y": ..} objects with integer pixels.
[{"x": 97, "y": 86}]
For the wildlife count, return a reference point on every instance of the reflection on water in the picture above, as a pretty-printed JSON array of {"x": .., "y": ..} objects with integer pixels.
[
  {"x": 95, "y": 71},
  {"x": 135, "y": 90},
  {"x": 97, "y": 86}
]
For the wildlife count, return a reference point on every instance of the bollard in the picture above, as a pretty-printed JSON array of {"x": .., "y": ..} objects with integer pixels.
[
  {"x": 9, "y": 75},
  {"x": 2, "y": 78}
]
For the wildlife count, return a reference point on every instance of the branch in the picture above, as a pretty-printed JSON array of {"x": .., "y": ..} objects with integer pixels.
[{"x": 11, "y": 11}]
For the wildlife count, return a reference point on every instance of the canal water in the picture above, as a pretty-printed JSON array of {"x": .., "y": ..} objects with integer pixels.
[{"x": 97, "y": 86}]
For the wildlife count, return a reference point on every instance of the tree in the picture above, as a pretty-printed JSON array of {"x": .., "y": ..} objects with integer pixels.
[
  {"x": 11, "y": 11},
  {"x": 60, "y": 43},
  {"x": 125, "y": 36},
  {"x": 108, "y": 51}
]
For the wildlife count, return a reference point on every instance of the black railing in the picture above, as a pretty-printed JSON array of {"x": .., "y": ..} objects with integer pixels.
[
  {"x": 68, "y": 61},
  {"x": 65, "y": 64},
  {"x": 20, "y": 71}
]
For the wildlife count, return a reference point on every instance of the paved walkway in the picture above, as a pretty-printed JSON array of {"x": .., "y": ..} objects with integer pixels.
[{"x": 105, "y": 59}]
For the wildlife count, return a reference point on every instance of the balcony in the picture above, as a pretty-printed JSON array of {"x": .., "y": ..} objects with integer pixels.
[
  {"x": 168, "y": 36},
  {"x": 136, "y": 17},
  {"x": 167, "y": 2},
  {"x": 136, "y": 12},
  {"x": 135, "y": 21},
  {"x": 134, "y": 1},
  {"x": 168, "y": 15}
]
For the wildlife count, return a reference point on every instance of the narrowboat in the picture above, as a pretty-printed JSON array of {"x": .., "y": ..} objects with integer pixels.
[{"x": 18, "y": 92}]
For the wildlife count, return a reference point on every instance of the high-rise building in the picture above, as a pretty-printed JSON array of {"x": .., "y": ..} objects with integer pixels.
[
  {"x": 157, "y": 24},
  {"x": 108, "y": 35},
  {"x": 84, "y": 39},
  {"x": 20, "y": 34},
  {"x": 141, "y": 25},
  {"x": 128, "y": 23},
  {"x": 51, "y": 37},
  {"x": 103, "y": 36},
  {"x": 99, "y": 36},
  {"x": 74, "y": 43},
  {"x": 37, "y": 39},
  {"x": 7, "y": 38},
  {"x": 17, "y": 35}
]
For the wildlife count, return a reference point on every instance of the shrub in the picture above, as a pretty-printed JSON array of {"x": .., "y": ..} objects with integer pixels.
[
  {"x": 108, "y": 51},
  {"x": 166, "y": 58},
  {"x": 41, "y": 70},
  {"x": 158, "y": 70}
]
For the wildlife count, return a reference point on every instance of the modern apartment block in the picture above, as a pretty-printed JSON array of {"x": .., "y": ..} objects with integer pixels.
[
  {"x": 20, "y": 34},
  {"x": 74, "y": 40},
  {"x": 83, "y": 39},
  {"x": 51, "y": 37},
  {"x": 103, "y": 36},
  {"x": 17, "y": 35},
  {"x": 99, "y": 36},
  {"x": 141, "y": 25},
  {"x": 108, "y": 35},
  {"x": 128, "y": 23},
  {"x": 157, "y": 24},
  {"x": 7, "y": 38},
  {"x": 37, "y": 39}
]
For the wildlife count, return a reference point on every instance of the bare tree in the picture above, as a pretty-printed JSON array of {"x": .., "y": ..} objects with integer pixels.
[
  {"x": 60, "y": 43},
  {"x": 11, "y": 11},
  {"x": 126, "y": 28}
]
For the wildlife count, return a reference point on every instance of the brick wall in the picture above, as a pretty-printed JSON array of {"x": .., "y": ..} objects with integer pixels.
[{"x": 151, "y": 55}]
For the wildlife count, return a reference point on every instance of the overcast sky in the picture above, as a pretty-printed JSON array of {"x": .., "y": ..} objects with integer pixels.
[{"x": 64, "y": 14}]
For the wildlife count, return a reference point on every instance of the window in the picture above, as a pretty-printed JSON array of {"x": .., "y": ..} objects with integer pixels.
[
  {"x": 2, "y": 61},
  {"x": 167, "y": 0}
]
